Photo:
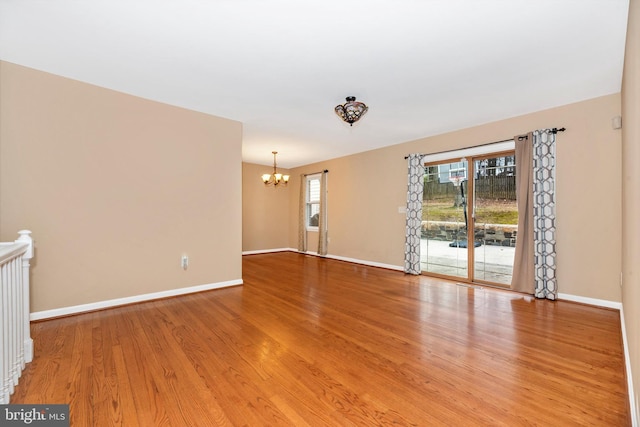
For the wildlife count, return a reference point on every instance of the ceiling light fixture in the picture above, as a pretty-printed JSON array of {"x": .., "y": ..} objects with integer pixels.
[
  {"x": 352, "y": 110},
  {"x": 275, "y": 178}
]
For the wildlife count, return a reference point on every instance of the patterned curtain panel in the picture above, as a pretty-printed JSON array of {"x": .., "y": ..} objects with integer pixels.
[
  {"x": 544, "y": 214},
  {"x": 302, "y": 207},
  {"x": 414, "y": 214},
  {"x": 323, "y": 240}
]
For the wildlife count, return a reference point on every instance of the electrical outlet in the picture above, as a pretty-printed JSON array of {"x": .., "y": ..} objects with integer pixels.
[{"x": 185, "y": 262}]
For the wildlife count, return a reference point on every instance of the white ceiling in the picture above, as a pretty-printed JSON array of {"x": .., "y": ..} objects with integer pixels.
[{"x": 280, "y": 66}]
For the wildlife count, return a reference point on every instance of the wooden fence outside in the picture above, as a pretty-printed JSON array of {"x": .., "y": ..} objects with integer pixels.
[{"x": 488, "y": 187}]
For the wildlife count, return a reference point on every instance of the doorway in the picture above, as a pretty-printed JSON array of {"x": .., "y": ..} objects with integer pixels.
[{"x": 470, "y": 218}]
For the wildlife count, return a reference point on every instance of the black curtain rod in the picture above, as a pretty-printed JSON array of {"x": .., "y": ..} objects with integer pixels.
[
  {"x": 553, "y": 131},
  {"x": 314, "y": 173}
]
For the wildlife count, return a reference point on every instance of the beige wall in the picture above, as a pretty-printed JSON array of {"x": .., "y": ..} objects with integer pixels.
[
  {"x": 366, "y": 189},
  {"x": 265, "y": 210},
  {"x": 631, "y": 195},
  {"x": 115, "y": 189}
]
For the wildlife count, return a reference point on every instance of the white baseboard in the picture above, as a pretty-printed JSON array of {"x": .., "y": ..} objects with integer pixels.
[
  {"x": 76, "y": 309},
  {"x": 353, "y": 260},
  {"x": 369, "y": 263},
  {"x": 591, "y": 301},
  {"x": 266, "y": 251}
]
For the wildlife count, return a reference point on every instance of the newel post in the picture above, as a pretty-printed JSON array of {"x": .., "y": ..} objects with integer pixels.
[{"x": 25, "y": 237}]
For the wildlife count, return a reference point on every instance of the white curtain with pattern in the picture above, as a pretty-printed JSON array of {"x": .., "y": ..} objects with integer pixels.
[
  {"x": 544, "y": 213},
  {"x": 413, "y": 232}
]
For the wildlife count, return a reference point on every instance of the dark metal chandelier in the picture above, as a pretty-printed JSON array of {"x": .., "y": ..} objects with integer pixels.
[{"x": 352, "y": 110}]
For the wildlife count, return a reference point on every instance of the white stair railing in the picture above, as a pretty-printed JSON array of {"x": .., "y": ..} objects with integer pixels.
[{"x": 15, "y": 336}]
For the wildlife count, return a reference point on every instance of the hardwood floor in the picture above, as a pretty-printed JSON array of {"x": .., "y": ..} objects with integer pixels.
[{"x": 312, "y": 341}]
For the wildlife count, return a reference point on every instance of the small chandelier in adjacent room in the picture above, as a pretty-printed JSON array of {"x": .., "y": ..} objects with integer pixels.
[
  {"x": 275, "y": 178},
  {"x": 352, "y": 110}
]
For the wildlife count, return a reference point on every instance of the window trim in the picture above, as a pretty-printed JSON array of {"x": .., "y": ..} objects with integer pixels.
[{"x": 480, "y": 150}]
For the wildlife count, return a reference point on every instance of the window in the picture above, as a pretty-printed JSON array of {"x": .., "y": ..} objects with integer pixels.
[{"x": 313, "y": 202}]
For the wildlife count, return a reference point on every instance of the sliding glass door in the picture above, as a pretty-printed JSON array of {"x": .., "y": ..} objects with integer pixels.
[
  {"x": 495, "y": 218},
  {"x": 470, "y": 219},
  {"x": 445, "y": 220}
]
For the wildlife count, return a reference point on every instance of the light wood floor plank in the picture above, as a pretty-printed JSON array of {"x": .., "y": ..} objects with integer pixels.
[{"x": 312, "y": 341}]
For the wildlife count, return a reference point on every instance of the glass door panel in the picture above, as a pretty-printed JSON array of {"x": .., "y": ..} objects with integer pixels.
[
  {"x": 445, "y": 220},
  {"x": 495, "y": 218}
]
